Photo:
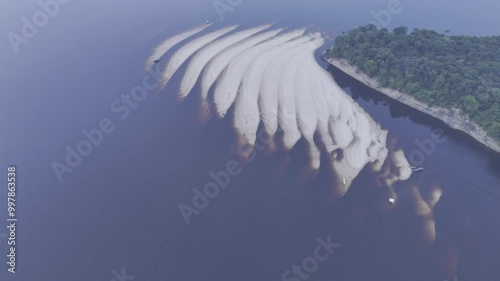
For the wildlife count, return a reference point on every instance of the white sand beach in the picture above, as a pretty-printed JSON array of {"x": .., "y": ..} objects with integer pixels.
[
  {"x": 167, "y": 44},
  {"x": 179, "y": 57},
  {"x": 216, "y": 65},
  {"x": 272, "y": 78},
  {"x": 227, "y": 85},
  {"x": 200, "y": 60},
  {"x": 247, "y": 113}
]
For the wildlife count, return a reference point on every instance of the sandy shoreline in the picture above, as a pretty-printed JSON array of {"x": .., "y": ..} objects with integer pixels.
[
  {"x": 450, "y": 117},
  {"x": 272, "y": 78}
]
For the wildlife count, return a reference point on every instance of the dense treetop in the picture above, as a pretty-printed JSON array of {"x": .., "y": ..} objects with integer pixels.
[{"x": 450, "y": 71}]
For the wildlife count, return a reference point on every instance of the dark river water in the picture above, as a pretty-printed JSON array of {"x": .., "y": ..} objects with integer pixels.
[{"x": 116, "y": 215}]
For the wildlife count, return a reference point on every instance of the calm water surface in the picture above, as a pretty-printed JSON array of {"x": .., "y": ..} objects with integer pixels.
[{"x": 118, "y": 208}]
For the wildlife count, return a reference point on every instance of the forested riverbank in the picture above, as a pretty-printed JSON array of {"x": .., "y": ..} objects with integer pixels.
[{"x": 454, "y": 77}]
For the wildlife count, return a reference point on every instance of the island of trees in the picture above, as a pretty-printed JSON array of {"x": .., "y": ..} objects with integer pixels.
[{"x": 448, "y": 71}]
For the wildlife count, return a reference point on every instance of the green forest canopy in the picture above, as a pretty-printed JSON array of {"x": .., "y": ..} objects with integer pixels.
[{"x": 449, "y": 71}]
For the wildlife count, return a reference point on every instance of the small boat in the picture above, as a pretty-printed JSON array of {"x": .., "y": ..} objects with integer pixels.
[
  {"x": 156, "y": 61},
  {"x": 419, "y": 169},
  {"x": 392, "y": 200},
  {"x": 223, "y": 115},
  {"x": 208, "y": 22},
  {"x": 344, "y": 181}
]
